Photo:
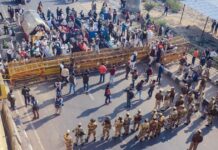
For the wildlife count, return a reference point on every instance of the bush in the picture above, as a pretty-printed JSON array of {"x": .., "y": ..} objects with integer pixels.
[
  {"x": 149, "y": 6},
  {"x": 174, "y": 5},
  {"x": 161, "y": 22}
]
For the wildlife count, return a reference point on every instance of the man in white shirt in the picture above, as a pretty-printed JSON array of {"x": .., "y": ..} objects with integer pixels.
[
  {"x": 65, "y": 74},
  {"x": 133, "y": 60}
]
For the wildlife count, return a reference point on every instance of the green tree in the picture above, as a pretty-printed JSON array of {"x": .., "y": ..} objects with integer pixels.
[{"x": 149, "y": 6}]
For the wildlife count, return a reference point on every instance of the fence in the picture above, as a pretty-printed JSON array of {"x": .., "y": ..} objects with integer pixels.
[
  {"x": 3, "y": 143},
  {"x": 13, "y": 138}
]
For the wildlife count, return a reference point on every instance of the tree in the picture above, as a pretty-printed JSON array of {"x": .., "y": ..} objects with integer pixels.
[{"x": 149, "y": 6}]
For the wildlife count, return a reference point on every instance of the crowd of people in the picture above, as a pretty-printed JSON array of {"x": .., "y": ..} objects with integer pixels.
[
  {"x": 190, "y": 101},
  {"x": 72, "y": 31},
  {"x": 110, "y": 26}
]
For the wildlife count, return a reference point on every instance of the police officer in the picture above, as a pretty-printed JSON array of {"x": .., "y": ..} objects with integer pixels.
[
  {"x": 68, "y": 140},
  {"x": 159, "y": 99},
  {"x": 196, "y": 139},
  {"x": 11, "y": 99},
  {"x": 79, "y": 133},
  {"x": 211, "y": 111},
  {"x": 161, "y": 121},
  {"x": 167, "y": 100},
  {"x": 189, "y": 114},
  {"x": 190, "y": 98},
  {"x": 153, "y": 127},
  {"x": 144, "y": 131},
  {"x": 172, "y": 95},
  {"x": 182, "y": 111},
  {"x": 92, "y": 129},
  {"x": 126, "y": 123},
  {"x": 173, "y": 117},
  {"x": 118, "y": 126},
  {"x": 154, "y": 113},
  {"x": 25, "y": 92},
  {"x": 137, "y": 120},
  {"x": 179, "y": 102},
  {"x": 106, "y": 128}
]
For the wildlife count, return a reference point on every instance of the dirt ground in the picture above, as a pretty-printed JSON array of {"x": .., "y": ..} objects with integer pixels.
[{"x": 195, "y": 23}]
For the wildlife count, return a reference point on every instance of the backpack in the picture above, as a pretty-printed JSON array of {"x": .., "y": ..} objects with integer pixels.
[
  {"x": 131, "y": 95},
  {"x": 150, "y": 72}
]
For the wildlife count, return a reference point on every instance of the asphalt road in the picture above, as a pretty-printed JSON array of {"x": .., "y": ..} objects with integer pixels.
[{"x": 47, "y": 132}]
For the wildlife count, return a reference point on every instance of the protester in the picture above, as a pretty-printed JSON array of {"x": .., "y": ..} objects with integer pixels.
[
  {"x": 130, "y": 96},
  {"x": 128, "y": 69},
  {"x": 151, "y": 88},
  {"x": 134, "y": 77},
  {"x": 112, "y": 74},
  {"x": 85, "y": 77},
  {"x": 195, "y": 55},
  {"x": 102, "y": 71},
  {"x": 65, "y": 75},
  {"x": 35, "y": 107},
  {"x": 160, "y": 71},
  {"x": 181, "y": 109},
  {"x": 149, "y": 72},
  {"x": 133, "y": 60},
  {"x": 72, "y": 84},
  {"x": 58, "y": 86},
  {"x": 107, "y": 94},
  {"x": 139, "y": 88},
  {"x": 58, "y": 105},
  {"x": 166, "y": 8}
]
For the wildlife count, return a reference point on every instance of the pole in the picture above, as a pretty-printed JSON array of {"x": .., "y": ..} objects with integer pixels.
[
  {"x": 202, "y": 34},
  {"x": 182, "y": 14}
]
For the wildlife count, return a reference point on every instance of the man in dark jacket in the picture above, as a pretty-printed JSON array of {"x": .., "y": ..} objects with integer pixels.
[
  {"x": 160, "y": 71},
  {"x": 35, "y": 108},
  {"x": 139, "y": 88},
  {"x": 86, "y": 81},
  {"x": 130, "y": 96},
  {"x": 72, "y": 84},
  {"x": 196, "y": 139},
  {"x": 25, "y": 92},
  {"x": 149, "y": 72},
  {"x": 128, "y": 69}
]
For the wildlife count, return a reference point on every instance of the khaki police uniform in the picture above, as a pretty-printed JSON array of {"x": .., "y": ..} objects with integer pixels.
[
  {"x": 126, "y": 124},
  {"x": 118, "y": 127},
  {"x": 92, "y": 129},
  {"x": 79, "y": 133},
  {"x": 106, "y": 129},
  {"x": 68, "y": 141},
  {"x": 143, "y": 131}
]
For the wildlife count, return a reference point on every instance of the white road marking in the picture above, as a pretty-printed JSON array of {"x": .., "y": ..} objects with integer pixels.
[
  {"x": 30, "y": 147},
  {"x": 32, "y": 126},
  {"x": 18, "y": 114},
  {"x": 91, "y": 97},
  {"x": 2, "y": 9}
]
